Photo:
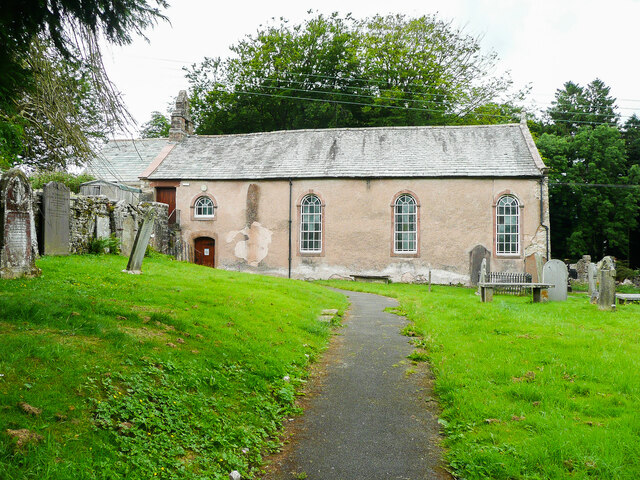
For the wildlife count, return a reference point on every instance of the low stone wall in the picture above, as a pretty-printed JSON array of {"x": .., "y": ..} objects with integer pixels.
[{"x": 93, "y": 217}]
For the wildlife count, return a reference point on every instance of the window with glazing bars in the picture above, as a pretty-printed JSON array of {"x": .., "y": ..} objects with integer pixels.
[
  {"x": 310, "y": 225},
  {"x": 507, "y": 226},
  {"x": 204, "y": 207},
  {"x": 405, "y": 238}
]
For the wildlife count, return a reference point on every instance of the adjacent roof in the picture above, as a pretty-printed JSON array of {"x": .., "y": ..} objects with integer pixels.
[
  {"x": 466, "y": 151},
  {"x": 124, "y": 161}
]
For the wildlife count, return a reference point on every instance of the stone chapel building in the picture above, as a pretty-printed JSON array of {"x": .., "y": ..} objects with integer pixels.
[{"x": 387, "y": 201}]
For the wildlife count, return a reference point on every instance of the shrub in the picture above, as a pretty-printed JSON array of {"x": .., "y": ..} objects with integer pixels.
[
  {"x": 100, "y": 246},
  {"x": 40, "y": 179}
]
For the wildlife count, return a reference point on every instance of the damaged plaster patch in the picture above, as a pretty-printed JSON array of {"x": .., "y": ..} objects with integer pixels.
[
  {"x": 255, "y": 245},
  {"x": 538, "y": 243}
]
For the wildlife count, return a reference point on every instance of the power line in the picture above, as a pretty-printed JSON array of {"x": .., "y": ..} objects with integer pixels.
[
  {"x": 594, "y": 185},
  {"x": 413, "y": 100},
  {"x": 372, "y": 105}
]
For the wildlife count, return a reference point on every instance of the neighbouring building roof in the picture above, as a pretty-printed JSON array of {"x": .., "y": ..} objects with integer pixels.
[
  {"x": 458, "y": 151},
  {"x": 124, "y": 161}
]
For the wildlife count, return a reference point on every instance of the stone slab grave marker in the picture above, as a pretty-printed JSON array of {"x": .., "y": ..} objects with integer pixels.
[
  {"x": 103, "y": 227},
  {"x": 591, "y": 278},
  {"x": 555, "y": 273},
  {"x": 18, "y": 243},
  {"x": 482, "y": 276},
  {"x": 476, "y": 256},
  {"x": 607, "y": 281},
  {"x": 55, "y": 211},
  {"x": 129, "y": 225},
  {"x": 140, "y": 245},
  {"x": 582, "y": 268}
]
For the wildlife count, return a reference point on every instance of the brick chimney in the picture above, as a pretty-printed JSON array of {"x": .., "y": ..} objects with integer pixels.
[{"x": 181, "y": 124}]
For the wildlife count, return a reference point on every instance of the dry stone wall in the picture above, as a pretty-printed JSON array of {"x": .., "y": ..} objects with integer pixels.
[{"x": 93, "y": 217}]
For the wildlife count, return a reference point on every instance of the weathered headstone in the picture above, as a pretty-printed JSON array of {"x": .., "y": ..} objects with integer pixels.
[
  {"x": 129, "y": 225},
  {"x": 482, "y": 276},
  {"x": 18, "y": 243},
  {"x": 540, "y": 260},
  {"x": 531, "y": 267},
  {"x": 103, "y": 227},
  {"x": 555, "y": 273},
  {"x": 55, "y": 212},
  {"x": 591, "y": 278},
  {"x": 582, "y": 268},
  {"x": 607, "y": 281},
  {"x": 140, "y": 245},
  {"x": 476, "y": 256}
]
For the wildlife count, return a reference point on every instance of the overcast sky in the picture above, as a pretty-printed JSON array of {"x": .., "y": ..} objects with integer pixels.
[{"x": 543, "y": 43}]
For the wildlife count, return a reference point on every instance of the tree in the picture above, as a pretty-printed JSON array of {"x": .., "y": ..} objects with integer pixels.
[
  {"x": 596, "y": 218},
  {"x": 157, "y": 127},
  {"x": 575, "y": 106},
  {"x": 331, "y": 71},
  {"x": 54, "y": 93}
]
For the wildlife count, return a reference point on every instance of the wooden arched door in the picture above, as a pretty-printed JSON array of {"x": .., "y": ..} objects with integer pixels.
[{"x": 205, "y": 251}]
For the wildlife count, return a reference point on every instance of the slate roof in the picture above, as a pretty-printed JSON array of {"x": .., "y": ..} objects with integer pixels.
[
  {"x": 466, "y": 151},
  {"x": 123, "y": 161}
]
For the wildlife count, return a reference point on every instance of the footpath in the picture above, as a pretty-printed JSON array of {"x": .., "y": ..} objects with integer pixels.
[{"x": 367, "y": 416}]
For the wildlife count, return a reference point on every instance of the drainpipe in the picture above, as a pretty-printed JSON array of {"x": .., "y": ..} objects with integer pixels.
[
  {"x": 290, "y": 200},
  {"x": 542, "y": 216}
]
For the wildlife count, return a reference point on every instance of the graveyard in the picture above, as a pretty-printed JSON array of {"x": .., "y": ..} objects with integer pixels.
[
  {"x": 101, "y": 367},
  {"x": 528, "y": 390}
]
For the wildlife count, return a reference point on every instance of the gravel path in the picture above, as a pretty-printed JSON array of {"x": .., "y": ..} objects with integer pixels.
[{"x": 367, "y": 417}]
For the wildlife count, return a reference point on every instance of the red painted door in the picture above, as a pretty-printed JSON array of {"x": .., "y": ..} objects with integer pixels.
[
  {"x": 205, "y": 250},
  {"x": 168, "y": 195}
]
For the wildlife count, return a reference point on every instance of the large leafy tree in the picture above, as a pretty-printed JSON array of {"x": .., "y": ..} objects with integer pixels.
[
  {"x": 575, "y": 106},
  {"x": 594, "y": 199},
  {"x": 54, "y": 93},
  {"x": 335, "y": 71},
  {"x": 157, "y": 127},
  {"x": 594, "y": 183}
]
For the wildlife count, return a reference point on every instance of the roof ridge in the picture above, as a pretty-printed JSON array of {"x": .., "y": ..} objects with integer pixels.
[{"x": 357, "y": 129}]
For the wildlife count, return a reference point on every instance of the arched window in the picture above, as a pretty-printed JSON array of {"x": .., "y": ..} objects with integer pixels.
[
  {"x": 507, "y": 226},
  {"x": 405, "y": 224},
  {"x": 311, "y": 225},
  {"x": 204, "y": 208}
]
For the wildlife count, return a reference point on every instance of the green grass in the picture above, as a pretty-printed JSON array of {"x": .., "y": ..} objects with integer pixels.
[
  {"x": 173, "y": 374},
  {"x": 529, "y": 391}
]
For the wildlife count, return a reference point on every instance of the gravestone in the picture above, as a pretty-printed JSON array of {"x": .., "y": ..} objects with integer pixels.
[
  {"x": 55, "y": 212},
  {"x": 476, "y": 256},
  {"x": 531, "y": 267},
  {"x": 607, "y": 281},
  {"x": 539, "y": 265},
  {"x": 555, "y": 273},
  {"x": 582, "y": 268},
  {"x": 18, "y": 243},
  {"x": 129, "y": 226},
  {"x": 591, "y": 278},
  {"x": 140, "y": 244},
  {"x": 103, "y": 227},
  {"x": 482, "y": 276}
]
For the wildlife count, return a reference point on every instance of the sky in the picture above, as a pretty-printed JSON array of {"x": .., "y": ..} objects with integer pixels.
[{"x": 542, "y": 43}]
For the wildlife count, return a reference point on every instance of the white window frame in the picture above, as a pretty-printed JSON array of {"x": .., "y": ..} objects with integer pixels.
[
  {"x": 313, "y": 245},
  {"x": 197, "y": 206},
  {"x": 405, "y": 232},
  {"x": 507, "y": 220}
]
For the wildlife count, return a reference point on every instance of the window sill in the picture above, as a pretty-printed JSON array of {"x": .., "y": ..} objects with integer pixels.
[
  {"x": 405, "y": 255},
  {"x": 311, "y": 254}
]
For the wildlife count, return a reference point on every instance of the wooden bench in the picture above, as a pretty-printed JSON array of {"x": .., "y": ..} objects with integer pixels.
[
  {"x": 486, "y": 289},
  {"x": 371, "y": 278},
  {"x": 623, "y": 298}
]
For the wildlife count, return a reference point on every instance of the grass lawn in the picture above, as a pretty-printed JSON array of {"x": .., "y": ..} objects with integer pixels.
[
  {"x": 529, "y": 391},
  {"x": 174, "y": 374}
]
